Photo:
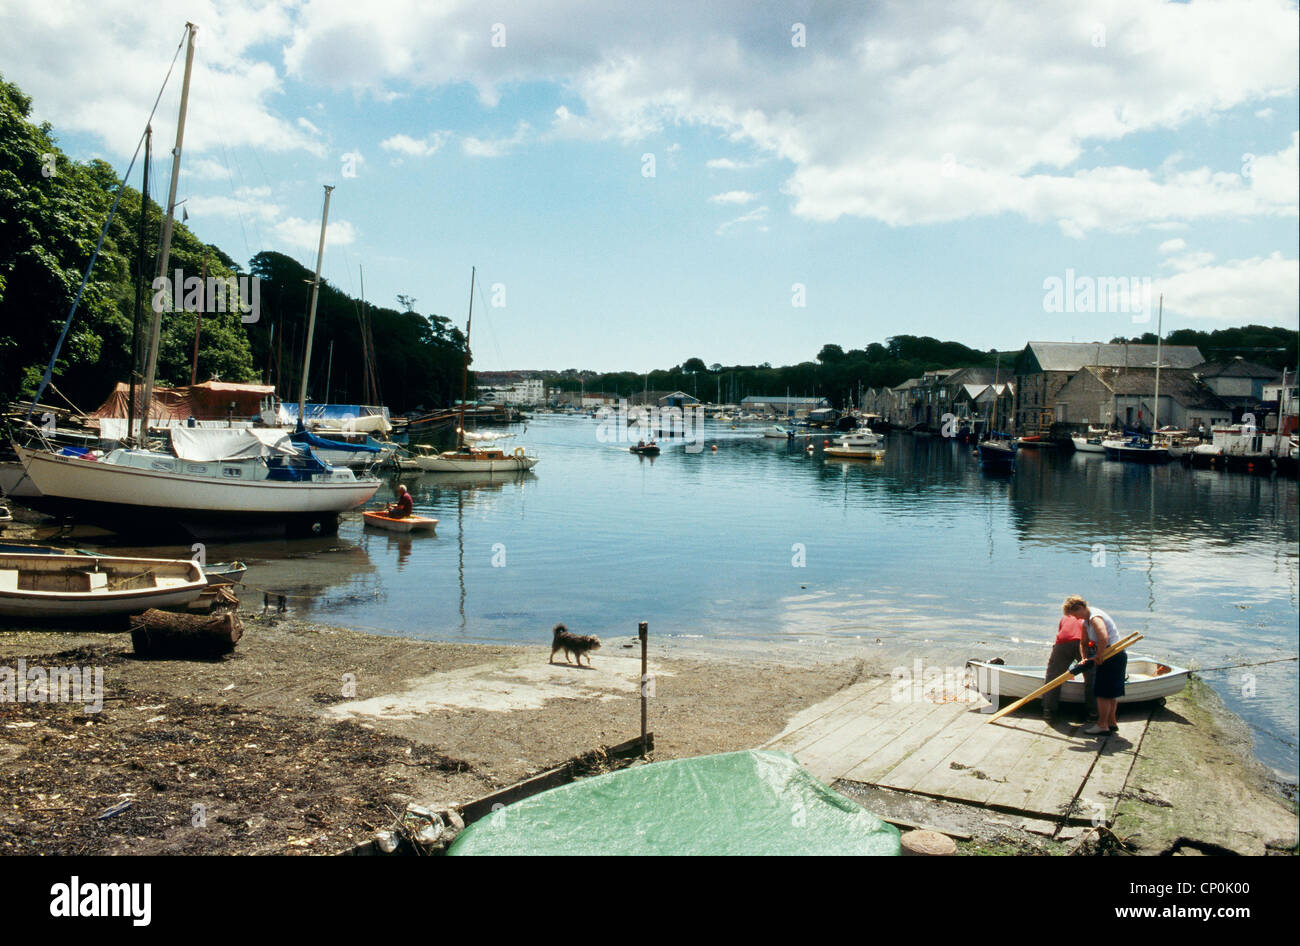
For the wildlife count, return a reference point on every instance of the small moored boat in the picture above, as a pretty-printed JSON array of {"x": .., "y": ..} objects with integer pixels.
[
  {"x": 405, "y": 524},
  {"x": 857, "y": 445},
  {"x": 1147, "y": 679},
  {"x": 80, "y": 586},
  {"x": 650, "y": 449}
]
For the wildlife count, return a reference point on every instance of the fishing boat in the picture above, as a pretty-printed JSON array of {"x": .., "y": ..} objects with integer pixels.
[
  {"x": 1147, "y": 679},
  {"x": 858, "y": 445},
  {"x": 81, "y": 586},
  {"x": 380, "y": 520},
  {"x": 650, "y": 449},
  {"x": 735, "y": 803}
]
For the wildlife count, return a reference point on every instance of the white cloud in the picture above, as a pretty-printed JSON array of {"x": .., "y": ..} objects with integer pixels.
[
  {"x": 416, "y": 147},
  {"x": 756, "y": 215},
  {"x": 733, "y": 197},
  {"x": 1197, "y": 259},
  {"x": 246, "y": 202},
  {"x": 302, "y": 234},
  {"x": 727, "y": 164},
  {"x": 494, "y": 147},
  {"x": 1260, "y": 290},
  {"x": 864, "y": 115},
  {"x": 864, "y": 118},
  {"x": 1172, "y": 246},
  {"x": 97, "y": 70}
]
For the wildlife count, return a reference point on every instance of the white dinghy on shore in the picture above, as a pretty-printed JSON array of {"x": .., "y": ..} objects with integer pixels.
[{"x": 40, "y": 587}]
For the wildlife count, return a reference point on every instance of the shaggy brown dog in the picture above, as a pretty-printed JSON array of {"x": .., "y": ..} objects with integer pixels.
[{"x": 573, "y": 644}]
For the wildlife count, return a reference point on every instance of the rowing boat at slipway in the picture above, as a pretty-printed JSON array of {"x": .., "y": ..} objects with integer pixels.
[{"x": 1147, "y": 679}]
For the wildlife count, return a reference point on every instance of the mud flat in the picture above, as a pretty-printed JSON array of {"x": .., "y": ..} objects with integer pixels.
[{"x": 310, "y": 737}]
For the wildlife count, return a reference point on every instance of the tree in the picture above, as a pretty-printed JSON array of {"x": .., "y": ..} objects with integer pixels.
[
  {"x": 694, "y": 366},
  {"x": 830, "y": 354}
]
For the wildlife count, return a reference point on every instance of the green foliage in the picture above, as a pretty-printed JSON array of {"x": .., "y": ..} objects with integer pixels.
[
  {"x": 1264, "y": 345},
  {"x": 419, "y": 358},
  {"x": 836, "y": 374},
  {"x": 51, "y": 213}
]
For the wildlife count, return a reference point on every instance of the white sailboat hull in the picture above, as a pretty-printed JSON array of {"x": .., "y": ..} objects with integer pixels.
[
  {"x": 462, "y": 464},
  {"x": 89, "y": 481}
]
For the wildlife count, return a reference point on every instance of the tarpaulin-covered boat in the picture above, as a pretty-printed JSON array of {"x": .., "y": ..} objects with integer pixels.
[{"x": 746, "y": 803}]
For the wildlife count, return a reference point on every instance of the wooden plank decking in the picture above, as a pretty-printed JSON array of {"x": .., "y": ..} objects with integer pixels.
[{"x": 943, "y": 746}]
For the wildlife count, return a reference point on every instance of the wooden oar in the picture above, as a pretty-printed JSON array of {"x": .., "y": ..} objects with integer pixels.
[{"x": 1064, "y": 678}]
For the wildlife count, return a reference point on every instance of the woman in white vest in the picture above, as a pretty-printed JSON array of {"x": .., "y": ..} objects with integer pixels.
[{"x": 1109, "y": 683}]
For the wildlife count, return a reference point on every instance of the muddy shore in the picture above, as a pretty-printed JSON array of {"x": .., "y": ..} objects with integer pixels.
[{"x": 310, "y": 737}]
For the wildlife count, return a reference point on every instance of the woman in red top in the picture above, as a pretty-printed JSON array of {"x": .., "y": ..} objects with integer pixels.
[{"x": 1066, "y": 651}]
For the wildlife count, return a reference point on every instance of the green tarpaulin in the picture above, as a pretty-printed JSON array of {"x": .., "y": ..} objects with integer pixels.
[{"x": 755, "y": 802}]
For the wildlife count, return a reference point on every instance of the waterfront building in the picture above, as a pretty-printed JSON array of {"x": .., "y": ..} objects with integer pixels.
[{"x": 1043, "y": 368}]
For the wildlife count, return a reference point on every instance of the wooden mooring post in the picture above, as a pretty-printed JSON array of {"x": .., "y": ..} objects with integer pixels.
[{"x": 643, "y": 633}]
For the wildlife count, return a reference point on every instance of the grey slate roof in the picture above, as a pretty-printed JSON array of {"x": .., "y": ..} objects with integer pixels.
[
  {"x": 1237, "y": 368},
  {"x": 1071, "y": 356},
  {"x": 1179, "y": 384}
]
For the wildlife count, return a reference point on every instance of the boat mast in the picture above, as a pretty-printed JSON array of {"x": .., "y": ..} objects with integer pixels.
[
  {"x": 140, "y": 293},
  {"x": 311, "y": 317},
  {"x": 1155, "y": 420},
  {"x": 169, "y": 222},
  {"x": 464, "y": 372}
]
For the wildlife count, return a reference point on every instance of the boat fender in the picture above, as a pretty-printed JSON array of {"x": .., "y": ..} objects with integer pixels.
[{"x": 519, "y": 452}]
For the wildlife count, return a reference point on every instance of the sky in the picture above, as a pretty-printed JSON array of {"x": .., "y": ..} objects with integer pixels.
[{"x": 743, "y": 182}]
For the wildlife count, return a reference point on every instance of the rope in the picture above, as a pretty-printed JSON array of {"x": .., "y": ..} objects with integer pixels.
[{"x": 1258, "y": 663}]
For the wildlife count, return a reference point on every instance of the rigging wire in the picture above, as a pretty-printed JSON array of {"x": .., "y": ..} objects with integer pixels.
[{"x": 85, "y": 279}]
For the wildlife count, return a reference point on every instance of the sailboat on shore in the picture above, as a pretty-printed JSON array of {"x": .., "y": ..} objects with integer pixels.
[
  {"x": 466, "y": 458},
  {"x": 210, "y": 478}
]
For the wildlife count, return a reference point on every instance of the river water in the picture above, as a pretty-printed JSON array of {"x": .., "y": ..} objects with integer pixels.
[{"x": 757, "y": 546}]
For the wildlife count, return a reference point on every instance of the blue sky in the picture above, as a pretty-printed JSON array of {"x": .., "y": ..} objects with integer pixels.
[{"x": 916, "y": 168}]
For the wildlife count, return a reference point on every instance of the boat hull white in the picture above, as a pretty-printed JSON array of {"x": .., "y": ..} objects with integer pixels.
[
  {"x": 46, "y": 586},
  {"x": 15, "y": 482},
  {"x": 460, "y": 464},
  {"x": 90, "y": 481},
  {"x": 1142, "y": 683}
]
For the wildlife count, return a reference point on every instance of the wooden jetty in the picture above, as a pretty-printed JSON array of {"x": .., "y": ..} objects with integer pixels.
[{"x": 937, "y": 747}]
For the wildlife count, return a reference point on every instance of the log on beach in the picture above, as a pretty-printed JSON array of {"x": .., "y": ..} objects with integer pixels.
[{"x": 164, "y": 634}]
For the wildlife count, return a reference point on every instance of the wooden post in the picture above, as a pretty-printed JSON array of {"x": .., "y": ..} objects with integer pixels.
[{"x": 643, "y": 633}]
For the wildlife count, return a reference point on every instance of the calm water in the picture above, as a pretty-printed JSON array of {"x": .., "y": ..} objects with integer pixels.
[{"x": 758, "y": 545}]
